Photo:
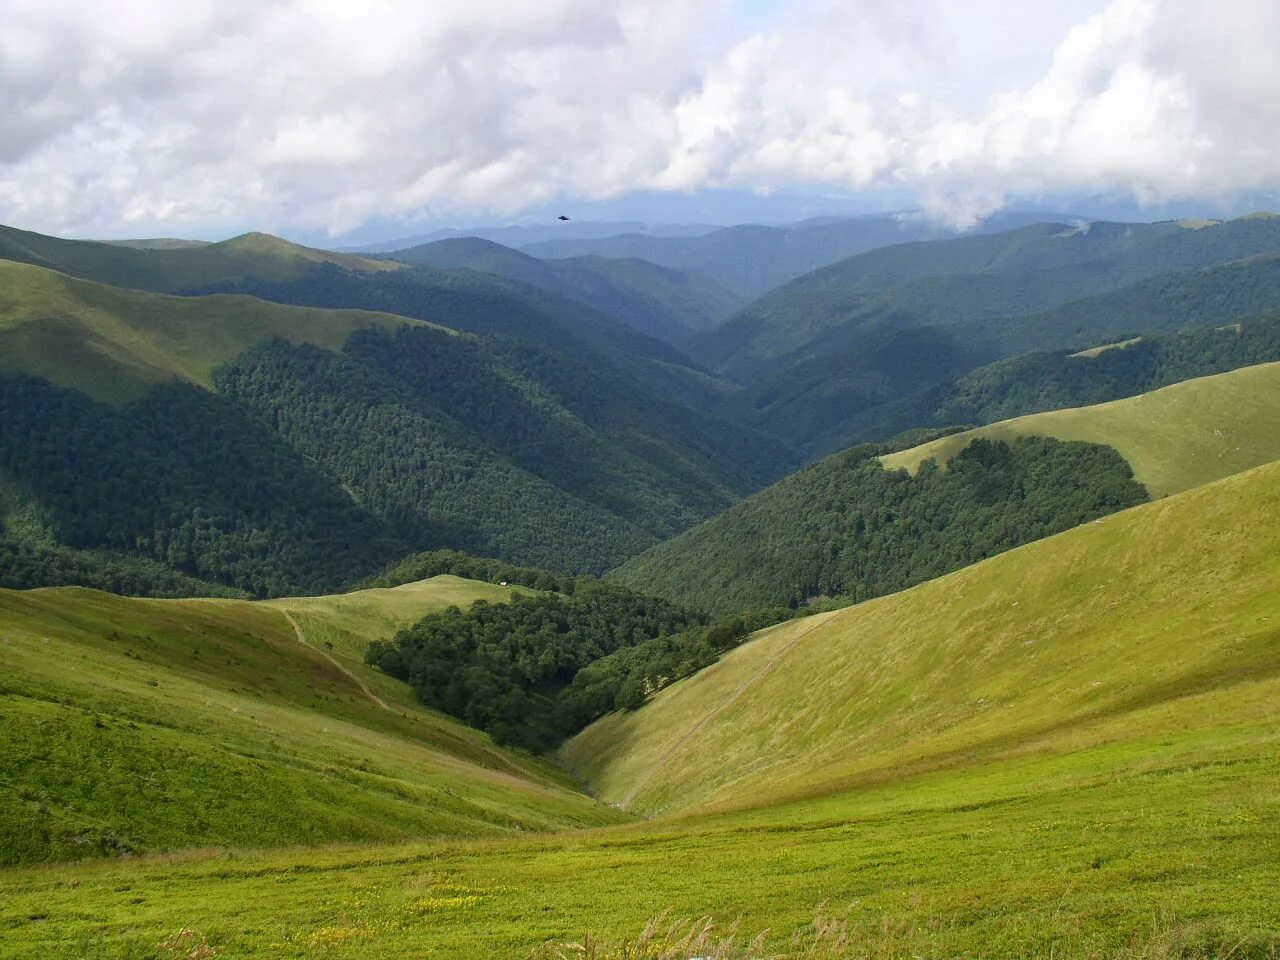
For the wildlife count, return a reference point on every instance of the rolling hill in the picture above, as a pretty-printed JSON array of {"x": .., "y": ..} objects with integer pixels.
[
  {"x": 752, "y": 259},
  {"x": 1035, "y": 382},
  {"x": 985, "y": 276},
  {"x": 271, "y": 268},
  {"x": 1159, "y": 624},
  {"x": 1069, "y": 750},
  {"x": 844, "y": 526},
  {"x": 663, "y": 302},
  {"x": 331, "y": 443},
  {"x": 136, "y": 725}
]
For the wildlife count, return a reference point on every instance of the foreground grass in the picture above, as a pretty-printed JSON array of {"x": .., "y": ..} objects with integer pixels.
[
  {"x": 1168, "y": 847},
  {"x": 129, "y": 725},
  {"x": 1175, "y": 438}
]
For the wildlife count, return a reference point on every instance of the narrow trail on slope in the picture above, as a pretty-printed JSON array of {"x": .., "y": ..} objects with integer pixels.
[
  {"x": 639, "y": 785},
  {"x": 364, "y": 687}
]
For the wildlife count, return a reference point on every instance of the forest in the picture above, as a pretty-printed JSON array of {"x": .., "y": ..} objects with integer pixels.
[{"x": 846, "y": 527}]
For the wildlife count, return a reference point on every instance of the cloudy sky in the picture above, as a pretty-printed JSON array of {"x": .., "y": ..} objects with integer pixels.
[{"x": 326, "y": 117}]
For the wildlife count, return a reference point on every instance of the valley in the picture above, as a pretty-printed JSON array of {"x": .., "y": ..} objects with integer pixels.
[{"x": 853, "y": 587}]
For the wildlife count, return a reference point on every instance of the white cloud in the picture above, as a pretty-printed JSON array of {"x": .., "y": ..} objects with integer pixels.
[{"x": 138, "y": 116}]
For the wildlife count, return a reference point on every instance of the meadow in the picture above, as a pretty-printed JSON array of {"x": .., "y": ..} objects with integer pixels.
[{"x": 1069, "y": 750}]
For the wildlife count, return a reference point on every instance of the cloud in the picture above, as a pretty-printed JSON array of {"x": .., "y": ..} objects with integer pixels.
[{"x": 138, "y": 116}]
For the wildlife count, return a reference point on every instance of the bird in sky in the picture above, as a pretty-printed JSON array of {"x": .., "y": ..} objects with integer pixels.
[{"x": 562, "y": 217}]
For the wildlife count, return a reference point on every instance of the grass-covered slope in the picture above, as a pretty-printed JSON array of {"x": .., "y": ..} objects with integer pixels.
[
  {"x": 1148, "y": 624},
  {"x": 841, "y": 527},
  {"x": 132, "y": 725},
  {"x": 1036, "y": 382},
  {"x": 1175, "y": 438},
  {"x": 116, "y": 344},
  {"x": 173, "y": 269},
  {"x": 1090, "y": 773}
]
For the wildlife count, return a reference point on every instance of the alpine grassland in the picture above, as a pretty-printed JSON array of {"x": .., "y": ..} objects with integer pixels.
[
  {"x": 134, "y": 725},
  {"x": 1174, "y": 438},
  {"x": 1069, "y": 750},
  {"x": 116, "y": 344}
]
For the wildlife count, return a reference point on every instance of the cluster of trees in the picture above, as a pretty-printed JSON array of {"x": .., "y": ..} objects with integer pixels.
[
  {"x": 184, "y": 478},
  {"x": 501, "y": 667},
  {"x": 847, "y": 527},
  {"x": 435, "y": 563}
]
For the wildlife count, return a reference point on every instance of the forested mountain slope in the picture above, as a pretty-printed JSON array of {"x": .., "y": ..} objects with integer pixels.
[
  {"x": 321, "y": 456},
  {"x": 751, "y": 259},
  {"x": 1036, "y": 382},
  {"x": 947, "y": 281},
  {"x": 849, "y": 525},
  {"x": 270, "y": 268},
  {"x": 1159, "y": 624},
  {"x": 664, "y": 302},
  {"x": 849, "y": 371},
  {"x": 142, "y": 725}
]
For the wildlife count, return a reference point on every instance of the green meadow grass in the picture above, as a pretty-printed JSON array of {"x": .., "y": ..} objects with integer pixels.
[
  {"x": 115, "y": 344},
  {"x": 132, "y": 725},
  {"x": 1069, "y": 751},
  {"x": 1175, "y": 438}
]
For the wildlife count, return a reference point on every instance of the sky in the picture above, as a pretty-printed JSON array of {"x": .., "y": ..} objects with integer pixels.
[{"x": 332, "y": 119}]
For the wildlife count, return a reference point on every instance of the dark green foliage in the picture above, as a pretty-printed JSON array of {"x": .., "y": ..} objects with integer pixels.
[
  {"x": 501, "y": 667},
  {"x": 847, "y": 527},
  {"x": 497, "y": 448},
  {"x": 25, "y": 564},
  {"x": 186, "y": 478},
  {"x": 1051, "y": 381},
  {"x": 435, "y": 563},
  {"x": 625, "y": 679}
]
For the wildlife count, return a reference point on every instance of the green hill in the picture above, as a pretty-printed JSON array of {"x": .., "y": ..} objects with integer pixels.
[
  {"x": 170, "y": 269},
  {"x": 1067, "y": 751},
  {"x": 324, "y": 450},
  {"x": 116, "y": 344},
  {"x": 846, "y": 527},
  {"x": 1036, "y": 382},
  {"x": 133, "y": 725},
  {"x": 1018, "y": 272},
  {"x": 663, "y": 302},
  {"x": 1143, "y": 626},
  {"x": 1176, "y": 438}
]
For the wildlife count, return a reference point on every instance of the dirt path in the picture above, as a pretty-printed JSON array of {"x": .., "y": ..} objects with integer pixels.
[
  {"x": 364, "y": 687},
  {"x": 626, "y": 801}
]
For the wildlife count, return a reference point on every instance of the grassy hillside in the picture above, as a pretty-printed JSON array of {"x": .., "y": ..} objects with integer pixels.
[
  {"x": 167, "y": 268},
  {"x": 663, "y": 302},
  {"x": 115, "y": 344},
  {"x": 1069, "y": 751},
  {"x": 845, "y": 527},
  {"x": 1036, "y": 382},
  {"x": 1145, "y": 625},
  {"x": 132, "y": 725},
  {"x": 1175, "y": 438}
]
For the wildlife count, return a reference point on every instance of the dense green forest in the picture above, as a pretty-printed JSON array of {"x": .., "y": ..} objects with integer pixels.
[
  {"x": 1050, "y": 381},
  {"x": 847, "y": 527},
  {"x": 501, "y": 667},
  {"x": 185, "y": 478}
]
